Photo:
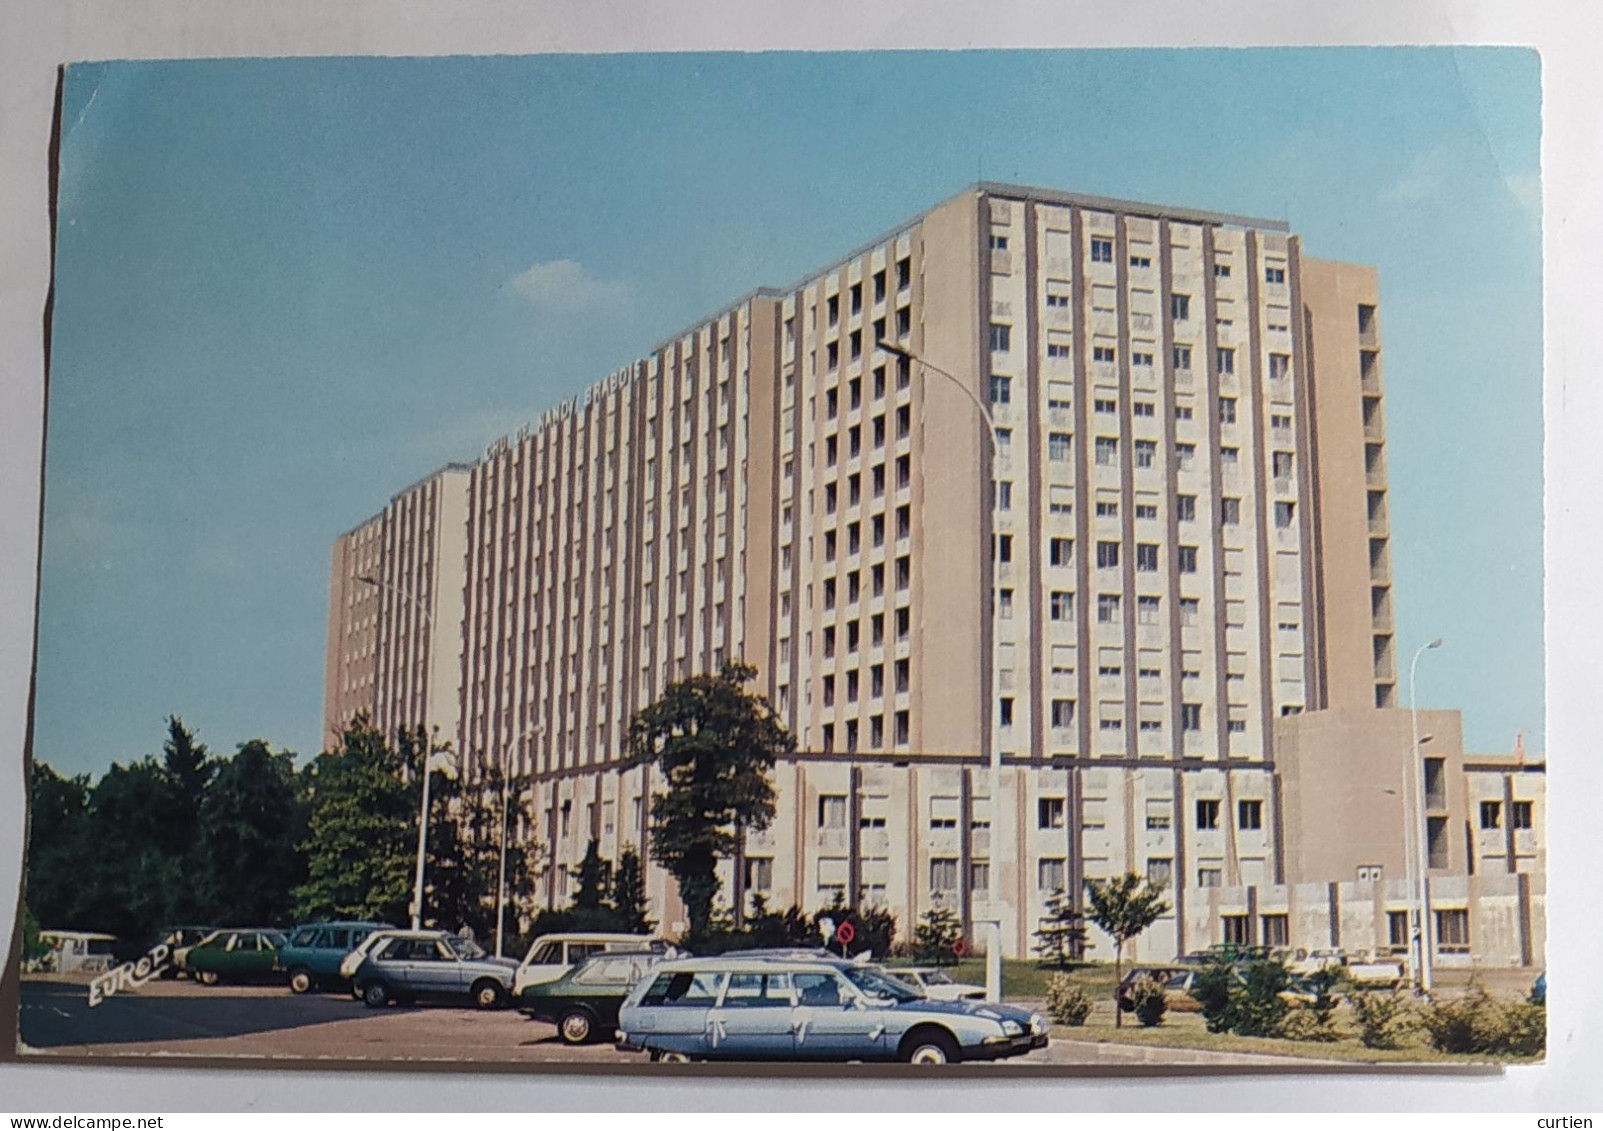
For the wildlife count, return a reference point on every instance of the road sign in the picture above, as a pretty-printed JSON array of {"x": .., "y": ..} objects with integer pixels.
[
  {"x": 845, "y": 933},
  {"x": 960, "y": 948}
]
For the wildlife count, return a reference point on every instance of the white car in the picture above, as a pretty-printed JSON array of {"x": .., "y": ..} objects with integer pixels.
[
  {"x": 935, "y": 984},
  {"x": 551, "y": 956}
]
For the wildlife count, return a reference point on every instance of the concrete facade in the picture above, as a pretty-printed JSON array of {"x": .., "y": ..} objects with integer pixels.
[{"x": 1167, "y": 563}]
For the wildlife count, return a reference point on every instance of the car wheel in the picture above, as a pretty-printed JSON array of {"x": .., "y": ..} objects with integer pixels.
[
  {"x": 486, "y": 994},
  {"x": 356, "y": 991},
  {"x": 206, "y": 977},
  {"x": 576, "y": 1027},
  {"x": 670, "y": 1057},
  {"x": 376, "y": 994},
  {"x": 300, "y": 981},
  {"x": 932, "y": 1046}
]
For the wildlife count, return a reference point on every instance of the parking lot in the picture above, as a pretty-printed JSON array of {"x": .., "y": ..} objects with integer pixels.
[{"x": 181, "y": 1018}]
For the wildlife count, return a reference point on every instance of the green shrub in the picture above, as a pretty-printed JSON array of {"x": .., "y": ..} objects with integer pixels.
[
  {"x": 1147, "y": 996},
  {"x": 1261, "y": 1010},
  {"x": 1382, "y": 1018},
  {"x": 1479, "y": 1023},
  {"x": 1067, "y": 1003},
  {"x": 1216, "y": 990}
]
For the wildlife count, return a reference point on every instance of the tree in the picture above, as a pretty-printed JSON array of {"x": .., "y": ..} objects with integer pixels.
[
  {"x": 252, "y": 823},
  {"x": 715, "y": 745},
  {"x": 60, "y": 849},
  {"x": 188, "y": 771},
  {"x": 1060, "y": 937},
  {"x": 1124, "y": 906},
  {"x": 937, "y": 932},
  {"x": 594, "y": 876},
  {"x": 629, "y": 893},
  {"x": 361, "y": 828},
  {"x": 464, "y": 869},
  {"x": 133, "y": 877}
]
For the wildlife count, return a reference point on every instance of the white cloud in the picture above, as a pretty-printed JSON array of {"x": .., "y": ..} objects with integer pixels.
[
  {"x": 564, "y": 286},
  {"x": 1426, "y": 177}
]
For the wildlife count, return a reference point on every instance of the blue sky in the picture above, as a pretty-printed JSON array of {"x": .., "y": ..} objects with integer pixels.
[{"x": 287, "y": 289}]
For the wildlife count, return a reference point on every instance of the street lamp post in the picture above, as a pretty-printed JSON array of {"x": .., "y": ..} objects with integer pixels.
[
  {"x": 423, "y": 806},
  {"x": 1416, "y": 771},
  {"x": 993, "y": 962}
]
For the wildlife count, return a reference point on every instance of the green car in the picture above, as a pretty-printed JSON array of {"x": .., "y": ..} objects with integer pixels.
[
  {"x": 583, "y": 1003},
  {"x": 237, "y": 954}
]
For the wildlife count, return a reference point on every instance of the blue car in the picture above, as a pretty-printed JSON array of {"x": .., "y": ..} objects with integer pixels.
[
  {"x": 755, "y": 1008},
  {"x": 312, "y": 958}
]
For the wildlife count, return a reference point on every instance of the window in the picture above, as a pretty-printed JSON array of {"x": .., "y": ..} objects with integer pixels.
[
  {"x": 1049, "y": 812},
  {"x": 943, "y": 812},
  {"x": 1141, "y": 262},
  {"x": 1107, "y": 555},
  {"x": 1004, "y": 495},
  {"x": 1180, "y": 307},
  {"x": 1276, "y": 930},
  {"x": 1282, "y": 464},
  {"x": 998, "y": 242},
  {"x": 1284, "y": 515},
  {"x": 1001, "y": 390},
  {"x": 943, "y": 873},
  {"x": 1004, "y": 548},
  {"x": 1057, "y": 298},
  {"x": 1184, "y": 456},
  {"x": 1491, "y": 814},
  {"x": 1397, "y": 930},
  {"x": 1237, "y": 929},
  {"x": 1146, "y": 453},
  {"x": 1249, "y": 814},
  {"x": 1452, "y": 932},
  {"x": 1182, "y": 357},
  {"x": 1209, "y": 877},
  {"x": 1182, "y": 412},
  {"x": 1107, "y": 508},
  {"x": 1273, "y": 274},
  {"x": 1059, "y": 395},
  {"x": 1061, "y": 551},
  {"x": 1103, "y": 405},
  {"x": 1189, "y": 609},
  {"x": 831, "y": 811},
  {"x": 832, "y": 306},
  {"x": 979, "y": 876},
  {"x": 1147, "y": 610},
  {"x": 1229, "y": 458},
  {"x": 832, "y": 355},
  {"x": 1225, "y": 359},
  {"x": 1060, "y": 500},
  {"x": 1227, "y": 410},
  {"x": 1004, "y": 603},
  {"x": 1107, "y": 451},
  {"x": 1001, "y": 337},
  {"x": 1185, "y": 508},
  {"x": 1104, "y": 354},
  {"x": 1004, "y": 712},
  {"x": 759, "y": 873},
  {"x": 1141, "y": 360},
  {"x": 1062, "y": 605},
  {"x": 1221, "y": 270},
  {"x": 1229, "y": 512},
  {"x": 1186, "y": 559},
  {"x": 1369, "y": 873},
  {"x": 1146, "y": 511},
  {"x": 1146, "y": 557},
  {"x": 1101, "y": 250},
  {"x": 1279, "y": 366},
  {"x": 1062, "y": 713},
  {"x": 1049, "y": 873},
  {"x": 1160, "y": 870},
  {"x": 1207, "y": 814},
  {"x": 1057, "y": 446},
  {"x": 1191, "y": 716},
  {"x": 1107, "y": 608},
  {"x": 904, "y": 274},
  {"x": 879, "y": 286},
  {"x": 1519, "y": 815}
]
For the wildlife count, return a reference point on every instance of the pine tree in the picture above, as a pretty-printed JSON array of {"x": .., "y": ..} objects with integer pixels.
[
  {"x": 594, "y": 878},
  {"x": 629, "y": 894},
  {"x": 938, "y": 930},
  {"x": 1060, "y": 937}
]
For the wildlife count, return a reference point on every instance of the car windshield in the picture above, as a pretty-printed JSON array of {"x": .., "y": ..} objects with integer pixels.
[
  {"x": 877, "y": 985},
  {"x": 937, "y": 978},
  {"x": 465, "y": 948},
  {"x": 274, "y": 938}
]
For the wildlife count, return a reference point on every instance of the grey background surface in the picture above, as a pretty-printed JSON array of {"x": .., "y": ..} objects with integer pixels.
[{"x": 37, "y": 37}]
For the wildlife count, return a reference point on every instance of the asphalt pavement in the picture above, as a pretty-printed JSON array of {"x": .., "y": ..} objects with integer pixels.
[{"x": 163, "y": 1019}]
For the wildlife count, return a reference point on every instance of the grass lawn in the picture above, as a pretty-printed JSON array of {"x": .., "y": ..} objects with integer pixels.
[
  {"x": 1187, "y": 1031},
  {"x": 1025, "y": 980}
]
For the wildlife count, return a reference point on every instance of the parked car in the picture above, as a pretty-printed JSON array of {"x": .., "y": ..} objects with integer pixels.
[
  {"x": 740, "y": 1008},
  {"x": 551, "y": 956},
  {"x": 583, "y": 1003},
  {"x": 78, "y": 952},
  {"x": 1176, "y": 981},
  {"x": 245, "y": 954},
  {"x": 407, "y": 965},
  {"x": 312, "y": 957},
  {"x": 934, "y": 983}
]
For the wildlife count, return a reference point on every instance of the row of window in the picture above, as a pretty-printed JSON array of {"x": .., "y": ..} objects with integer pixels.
[
  {"x": 854, "y": 293},
  {"x": 1180, "y": 355},
  {"x": 1051, "y": 813},
  {"x": 1520, "y": 815}
]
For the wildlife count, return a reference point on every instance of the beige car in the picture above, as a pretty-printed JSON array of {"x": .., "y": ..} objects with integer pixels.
[{"x": 551, "y": 956}]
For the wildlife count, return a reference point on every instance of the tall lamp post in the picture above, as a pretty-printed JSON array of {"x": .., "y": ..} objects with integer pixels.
[
  {"x": 501, "y": 880},
  {"x": 993, "y": 951},
  {"x": 1416, "y": 770},
  {"x": 428, "y": 760}
]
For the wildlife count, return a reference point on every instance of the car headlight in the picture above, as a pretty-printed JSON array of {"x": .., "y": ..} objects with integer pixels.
[
  {"x": 1012, "y": 1028},
  {"x": 1038, "y": 1024}
]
